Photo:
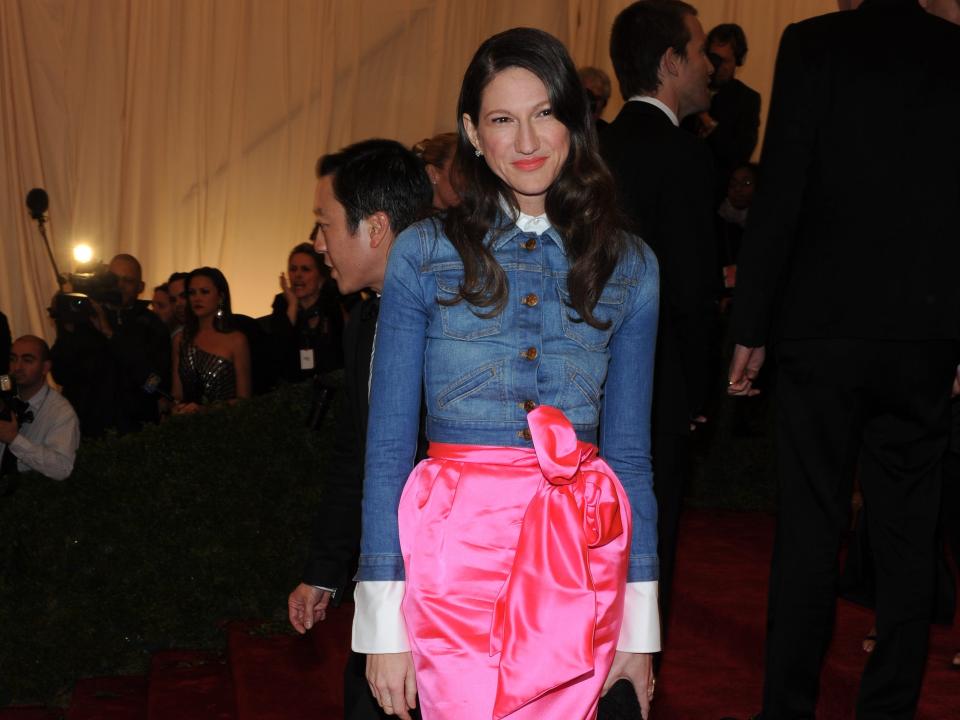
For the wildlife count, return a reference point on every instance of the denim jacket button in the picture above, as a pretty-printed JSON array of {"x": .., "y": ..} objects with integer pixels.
[
  {"x": 530, "y": 244},
  {"x": 530, "y": 353},
  {"x": 530, "y": 300},
  {"x": 525, "y": 434},
  {"x": 529, "y": 405}
]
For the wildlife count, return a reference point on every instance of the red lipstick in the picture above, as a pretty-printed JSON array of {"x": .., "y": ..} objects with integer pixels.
[{"x": 529, "y": 164}]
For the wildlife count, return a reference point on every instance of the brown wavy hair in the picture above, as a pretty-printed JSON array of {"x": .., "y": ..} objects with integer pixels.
[{"x": 581, "y": 203}]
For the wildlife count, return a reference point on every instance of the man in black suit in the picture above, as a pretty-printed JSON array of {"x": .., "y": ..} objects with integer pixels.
[
  {"x": 366, "y": 194},
  {"x": 665, "y": 182},
  {"x": 849, "y": 265},
  {"x": 731, "y": 125}
]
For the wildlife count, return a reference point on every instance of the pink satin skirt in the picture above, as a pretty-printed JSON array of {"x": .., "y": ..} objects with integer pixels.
[{"x": 516, "y": 563}]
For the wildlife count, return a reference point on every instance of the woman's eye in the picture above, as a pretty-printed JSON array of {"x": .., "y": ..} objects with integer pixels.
[
  {"x": 500, "y": 120},
  {"x": 546, "y": 112}
]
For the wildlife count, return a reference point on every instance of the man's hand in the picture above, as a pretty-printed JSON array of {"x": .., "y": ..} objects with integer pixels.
[
  {"x": 99, "y": 319},
  {"x": 744, "y": 368},
  {"x": 9, "y": 430},
  {"x": 307, "y": 605},
  {"x": 638, "y": 669},
  {"x": 393, "y": 682}
]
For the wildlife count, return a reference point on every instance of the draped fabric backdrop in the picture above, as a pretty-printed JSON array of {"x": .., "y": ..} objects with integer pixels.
[{"x": 186, "y": 131}]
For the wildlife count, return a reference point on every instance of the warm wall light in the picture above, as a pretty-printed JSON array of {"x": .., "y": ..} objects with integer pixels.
[{"x": 82, "y": 253}]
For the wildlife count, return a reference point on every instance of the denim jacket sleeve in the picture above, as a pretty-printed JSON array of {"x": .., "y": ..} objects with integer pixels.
[
  {"x": 625, "y": 416},
  {"x": 395, "y": 392}
]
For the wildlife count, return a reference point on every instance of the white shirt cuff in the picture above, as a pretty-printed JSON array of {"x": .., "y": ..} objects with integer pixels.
[
  {"x": 640, "y": 632},
  {"x": 378, "y": 625}
]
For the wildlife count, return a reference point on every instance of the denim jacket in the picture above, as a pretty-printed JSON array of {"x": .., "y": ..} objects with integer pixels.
[{"x": 481, "y": 376}]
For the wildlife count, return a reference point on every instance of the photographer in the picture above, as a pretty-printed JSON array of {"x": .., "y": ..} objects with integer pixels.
[
  {"x": 106, "y": 351},
  {"x": 38, "y": 428}
]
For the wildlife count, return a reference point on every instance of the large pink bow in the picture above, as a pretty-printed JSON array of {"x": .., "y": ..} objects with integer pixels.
[{"x": 545, "y": 615}]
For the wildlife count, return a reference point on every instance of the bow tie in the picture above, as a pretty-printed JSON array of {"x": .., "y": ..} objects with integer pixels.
[{"x": 26, "y": 417}]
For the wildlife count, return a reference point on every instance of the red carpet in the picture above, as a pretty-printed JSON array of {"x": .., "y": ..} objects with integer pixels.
[{"x": 712, "y": 667}]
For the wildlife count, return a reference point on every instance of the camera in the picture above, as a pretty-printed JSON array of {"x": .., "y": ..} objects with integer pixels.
[
  {"x": 10, "y": 404},
  {"x": 99, "y": 285}
]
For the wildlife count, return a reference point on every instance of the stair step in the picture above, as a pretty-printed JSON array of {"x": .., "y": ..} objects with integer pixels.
[
  {"x": 28, "y": 712},
  {"x": 278, "y": 677},
  {"x": 190, "y": 685},
  {"x": 109, "y": 698}
]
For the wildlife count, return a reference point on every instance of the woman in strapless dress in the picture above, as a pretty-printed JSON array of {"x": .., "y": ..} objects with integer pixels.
[{"x": 211, "y": 360}]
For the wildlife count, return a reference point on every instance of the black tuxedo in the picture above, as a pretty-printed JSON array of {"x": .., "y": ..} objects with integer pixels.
[
  {"x": 335, "y": 546},
  {"x": 665, "y": 183},
  {"x": 850, "y": 262}
]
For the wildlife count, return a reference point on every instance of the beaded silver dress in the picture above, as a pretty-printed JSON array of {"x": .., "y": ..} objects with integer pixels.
[{"x": 204, "y": 377}]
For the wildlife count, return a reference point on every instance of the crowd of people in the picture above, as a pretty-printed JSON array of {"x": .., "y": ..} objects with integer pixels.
[{"x": 529, "y": 311}]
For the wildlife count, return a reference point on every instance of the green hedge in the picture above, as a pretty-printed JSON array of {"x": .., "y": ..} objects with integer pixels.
[{"x": 155, "y": 539}]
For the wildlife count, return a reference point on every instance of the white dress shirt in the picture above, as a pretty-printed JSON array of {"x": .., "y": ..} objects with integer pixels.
[
  {"x": 378, "y": 625},
  {"x": 49, "y": 443}
]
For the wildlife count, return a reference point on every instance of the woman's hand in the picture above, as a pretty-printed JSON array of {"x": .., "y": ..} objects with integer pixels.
[
  {"x": 638, "y": 669},
  {"x": 393, "y": 682},
  {"x": 292, "y": 302}
]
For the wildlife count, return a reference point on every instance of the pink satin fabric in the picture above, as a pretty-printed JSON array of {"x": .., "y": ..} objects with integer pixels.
[{"x": 516, "y": 564}]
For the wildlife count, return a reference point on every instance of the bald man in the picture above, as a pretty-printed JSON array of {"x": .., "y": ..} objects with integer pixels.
[
  {"x": 103, "y": 362},
  {"x": 41, "y": 431}
]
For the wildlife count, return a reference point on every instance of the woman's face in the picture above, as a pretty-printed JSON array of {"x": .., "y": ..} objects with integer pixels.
[
  {"x": 444, "y": 195},
  {"x": 162, "y": 306},
  {"x": 522, "y": 141},
  {"x": 305, "y": 278},
  {"x": 203, "y": 296}
]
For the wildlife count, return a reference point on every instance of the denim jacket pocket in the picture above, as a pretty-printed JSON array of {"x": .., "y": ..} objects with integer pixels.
[
  {"x": 609, "y": 307},
  {"x": 469, "y": 384},
  {"x": 460, "y": 321}
]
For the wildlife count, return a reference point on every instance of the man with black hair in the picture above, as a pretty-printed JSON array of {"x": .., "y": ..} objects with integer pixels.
[
  {"x": 365, "y": 195},
  {"x": 732, "y": 123},
  {"x": 42, "y": 432},
  {"x": 664, "y": 179}
]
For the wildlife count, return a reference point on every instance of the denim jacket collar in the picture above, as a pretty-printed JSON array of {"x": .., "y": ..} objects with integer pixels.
[{"x": 505, "y": 226}]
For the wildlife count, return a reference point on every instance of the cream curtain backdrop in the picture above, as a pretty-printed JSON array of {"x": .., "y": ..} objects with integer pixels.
[{"x": 186, "y": 131}]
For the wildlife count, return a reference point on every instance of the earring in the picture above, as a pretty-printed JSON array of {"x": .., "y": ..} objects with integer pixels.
[
  {"x": 478, "y": 152},
  {"x": 220, "y": 311}
]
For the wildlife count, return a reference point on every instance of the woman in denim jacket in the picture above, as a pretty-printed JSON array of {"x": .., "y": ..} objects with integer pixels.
[{"x": 524, "y": 563}]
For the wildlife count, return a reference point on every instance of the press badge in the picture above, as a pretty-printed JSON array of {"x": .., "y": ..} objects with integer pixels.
[{"x": 306, "y": 359}]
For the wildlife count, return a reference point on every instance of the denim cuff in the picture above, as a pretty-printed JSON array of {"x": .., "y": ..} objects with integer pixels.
[
  {"x": 643, "y": 568},
  {"x": 380, "y": 567}
]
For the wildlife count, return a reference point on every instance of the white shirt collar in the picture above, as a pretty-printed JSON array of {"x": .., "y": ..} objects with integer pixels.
[
  {"x": 657, "y": 103},
  {"x": 533, "y": 223},
  {"x": 36, "y": 402},
  {"x": 538, "y": 224}
]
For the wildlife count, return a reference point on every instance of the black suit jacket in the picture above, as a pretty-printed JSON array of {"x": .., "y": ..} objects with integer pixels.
[
  {"x": 335, "y": 544},
  {"x": 665, "y": 181},
  {"x": 855, "y": 229}
]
